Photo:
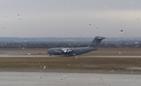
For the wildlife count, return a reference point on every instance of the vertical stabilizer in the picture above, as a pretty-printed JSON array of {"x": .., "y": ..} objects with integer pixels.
[{"x": 96, "y": 42}]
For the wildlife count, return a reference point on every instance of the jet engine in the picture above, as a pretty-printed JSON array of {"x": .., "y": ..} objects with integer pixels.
[{"x": 67, "y": 51}]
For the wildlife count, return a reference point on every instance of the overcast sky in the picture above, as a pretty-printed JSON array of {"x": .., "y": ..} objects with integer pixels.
[{"x": 70, "y": 18}]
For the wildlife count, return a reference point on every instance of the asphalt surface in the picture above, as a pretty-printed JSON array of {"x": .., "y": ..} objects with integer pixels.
[
  {"x": 67, "y": 79},
  {"x": 85, "y": 56}
]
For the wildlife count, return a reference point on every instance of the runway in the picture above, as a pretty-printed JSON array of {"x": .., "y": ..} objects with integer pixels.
[
  {"x": 100, "y": 53},
  {"x": 83, "y": 56},
  {"x": 114, "y": 56},
  {"x": 67, "y": 79}
]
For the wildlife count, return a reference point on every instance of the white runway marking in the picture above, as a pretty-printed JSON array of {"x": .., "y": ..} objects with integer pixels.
[{"x": 67, "y": 79}]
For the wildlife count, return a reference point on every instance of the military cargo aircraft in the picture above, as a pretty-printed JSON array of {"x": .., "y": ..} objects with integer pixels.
[{"x": 66, "y": 51}]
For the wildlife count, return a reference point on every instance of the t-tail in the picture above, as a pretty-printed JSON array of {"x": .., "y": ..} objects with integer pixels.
[{"x": 96, "y": 42}]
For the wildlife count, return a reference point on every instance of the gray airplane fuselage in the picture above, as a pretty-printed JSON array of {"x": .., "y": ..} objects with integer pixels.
[{"x": 70, "y": 51}]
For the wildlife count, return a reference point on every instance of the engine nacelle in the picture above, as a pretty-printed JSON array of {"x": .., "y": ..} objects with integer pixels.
[{"x": 67, "y": 51}]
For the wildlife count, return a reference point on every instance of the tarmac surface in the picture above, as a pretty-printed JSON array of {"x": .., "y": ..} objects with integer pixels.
[
  {"x": 67, "y": 79},
  {"x": 86, "y": 56}
]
